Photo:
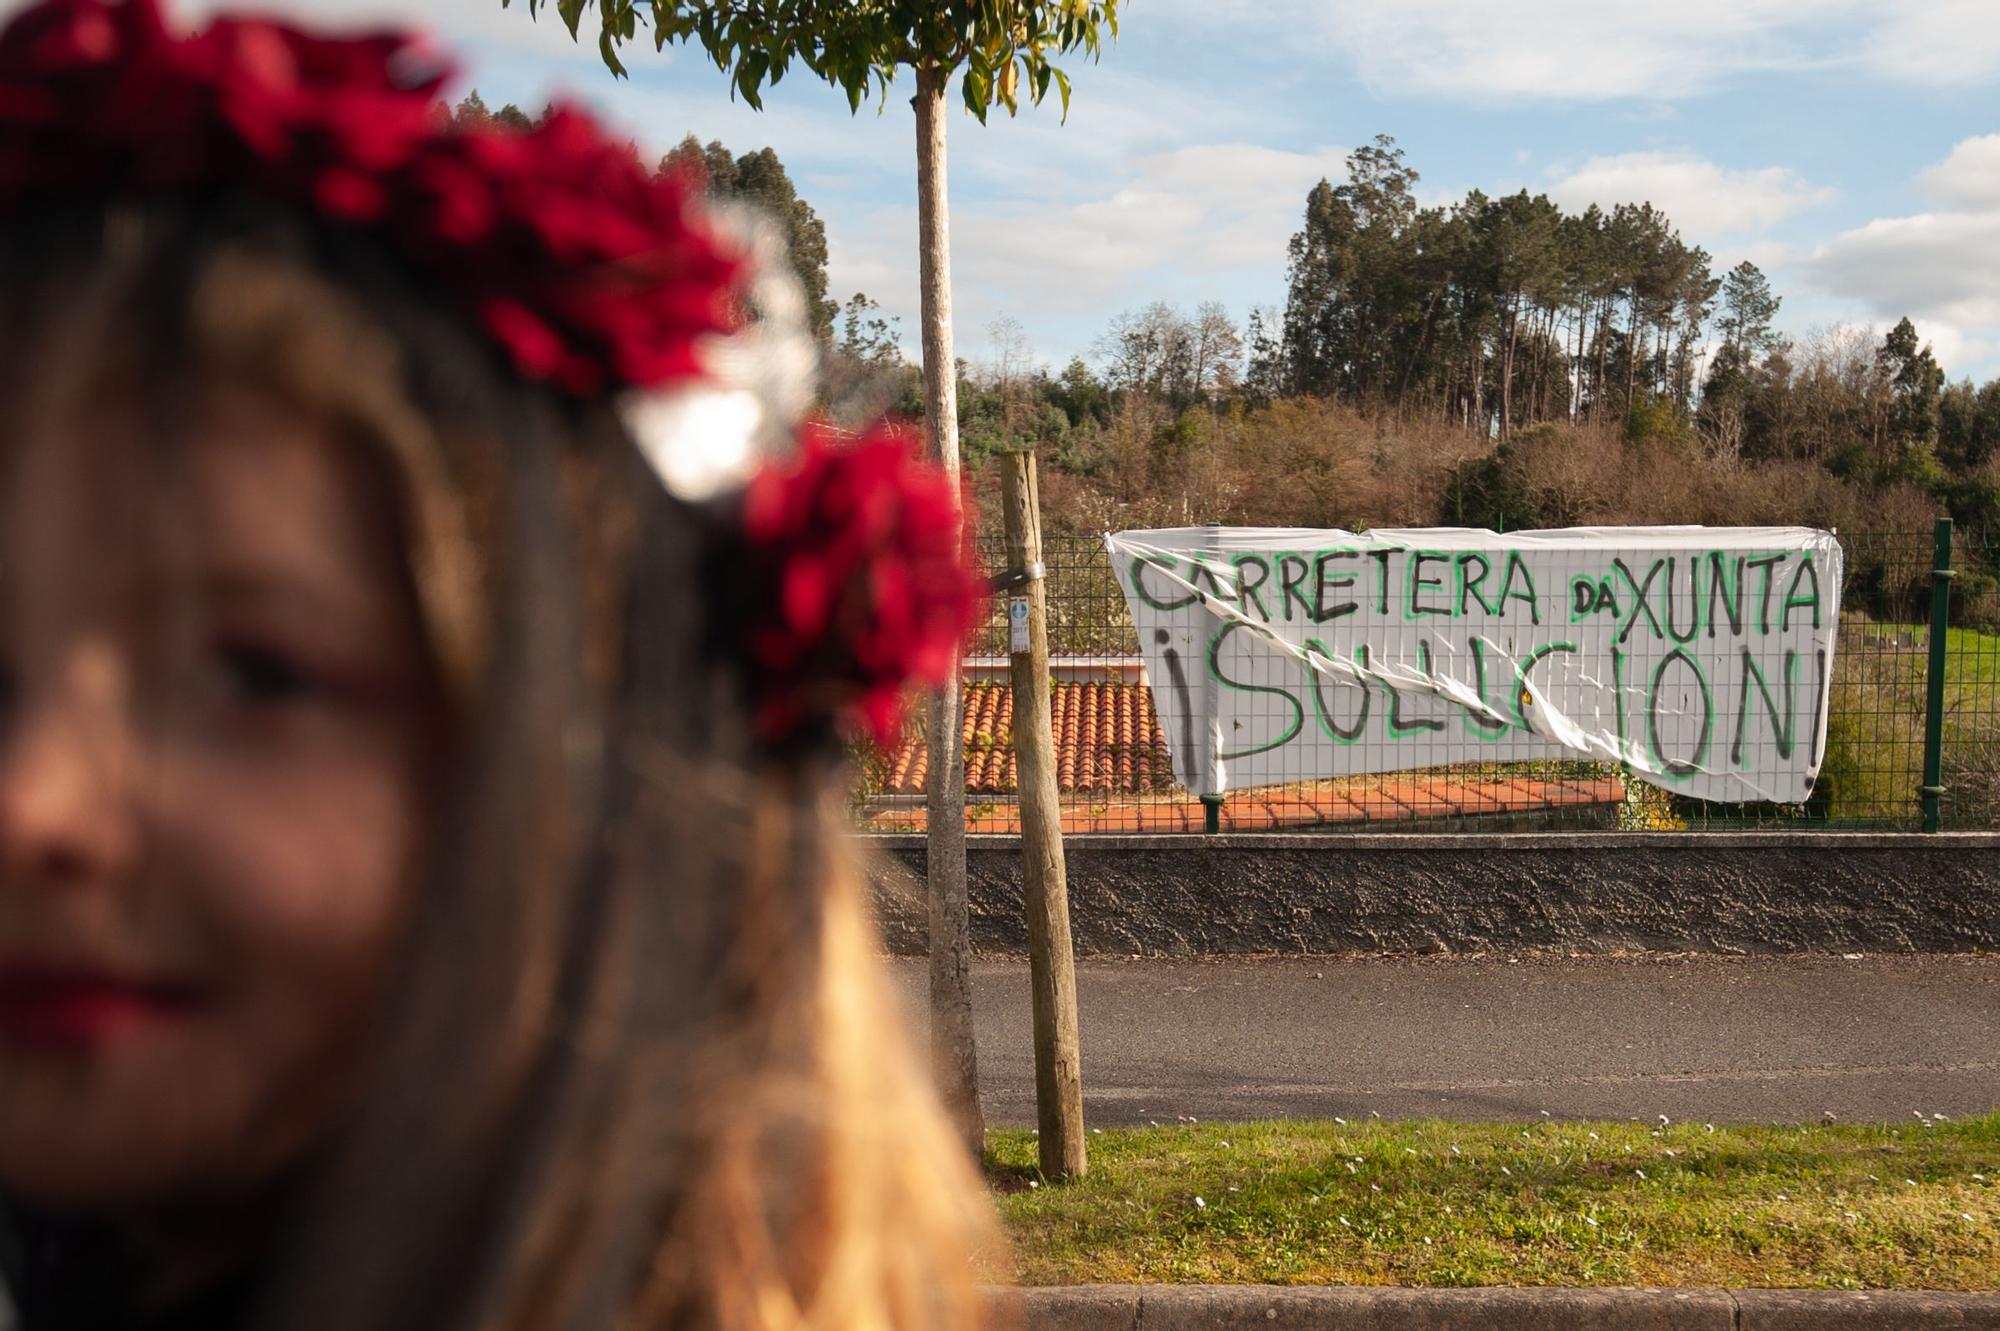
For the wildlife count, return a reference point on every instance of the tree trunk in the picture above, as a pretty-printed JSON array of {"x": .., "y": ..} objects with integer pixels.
[
  {"x": 1555, "y": 341},
  {"x": 1574, "y": 407},
  {"x": 1482, "y": 427},
  {"x": 1538, "y": 337},
  {"x": 1601, "y": 389},
  {"x": 1632, "y": 359},
  {"x": 1423, "y": 339},
  {"x": 952, "y": 1052}
]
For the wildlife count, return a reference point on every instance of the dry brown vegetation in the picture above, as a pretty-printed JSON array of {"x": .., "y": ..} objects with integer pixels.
[{"x": 1314, "y": 463}]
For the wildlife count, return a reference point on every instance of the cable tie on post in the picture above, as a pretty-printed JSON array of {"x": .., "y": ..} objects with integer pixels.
[{"x": 1017, "y": 577}]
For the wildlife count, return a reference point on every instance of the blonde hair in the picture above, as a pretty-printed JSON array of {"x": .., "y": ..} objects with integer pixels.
[{"x": 642, "y": 1068}]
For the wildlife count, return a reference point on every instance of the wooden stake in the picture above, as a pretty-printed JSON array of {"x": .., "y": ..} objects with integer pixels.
[{"x": 1051, "y": 963}]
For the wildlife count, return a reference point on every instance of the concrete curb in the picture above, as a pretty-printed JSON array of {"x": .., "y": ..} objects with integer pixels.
[
  {"x": 1442, "y": 841},
  {"x": 1397, "y": 1308}
]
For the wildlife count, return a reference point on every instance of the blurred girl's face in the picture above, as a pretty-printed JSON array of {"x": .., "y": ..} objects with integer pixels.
[{"x": 216, "y": 738}]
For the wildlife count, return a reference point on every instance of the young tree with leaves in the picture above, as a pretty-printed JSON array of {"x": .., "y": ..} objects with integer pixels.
[
  {"x": 999, "y": 50},
  {"x": 1915, "y": 383},
  {"x": 1261, "y": 381},
  {"x": 1348, "y": 265},
  {"x": 1969, "y": 426},
  {"x": 863, "y": 375},
  {"x": 1748, "y": 307},
  {"x": 1218, "y": 351},
  {"x": 1080, "y": 394}
]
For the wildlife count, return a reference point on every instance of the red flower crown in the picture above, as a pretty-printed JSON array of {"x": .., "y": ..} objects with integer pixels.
[
  {"x": 862, "y": 555},
  {"x": 590, "y": 273}
]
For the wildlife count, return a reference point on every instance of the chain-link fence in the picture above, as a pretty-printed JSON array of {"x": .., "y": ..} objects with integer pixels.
[{"x": 1115, "y": 773}]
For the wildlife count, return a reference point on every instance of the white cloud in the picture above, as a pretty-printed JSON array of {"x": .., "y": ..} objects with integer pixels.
[
  {"x": 1567, "y": 50},
  {"x": 1701, "y": 198},
  {"x": 1941, "y": 268},
  {"x": 1937, "y": 41},
  {"x": 1621, "y": 50},
  {"x": 1209, "y": 221},
  {"x": 1970, "y": 177},
  {"x": 1962, "y": 354},
  {"x": 1208, "y": 209},
  {"x": 1766, "y": 254},
  {"x": 1946, "y": 264}
]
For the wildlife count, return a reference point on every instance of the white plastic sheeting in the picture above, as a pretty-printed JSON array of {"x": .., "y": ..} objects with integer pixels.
[{"x": 1699, "y": 658}]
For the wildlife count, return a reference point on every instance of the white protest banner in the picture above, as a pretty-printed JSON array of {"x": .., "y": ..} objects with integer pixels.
[{"x": 1699, "y": 658}]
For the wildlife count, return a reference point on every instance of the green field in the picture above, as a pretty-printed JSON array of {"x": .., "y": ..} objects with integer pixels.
[
  {"x": 1875, "y": 729},
  {"x": 1913, "y": 1205}
]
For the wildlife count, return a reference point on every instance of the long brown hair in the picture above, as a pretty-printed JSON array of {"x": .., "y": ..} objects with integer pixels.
[{"x": 640, "y": 1068}]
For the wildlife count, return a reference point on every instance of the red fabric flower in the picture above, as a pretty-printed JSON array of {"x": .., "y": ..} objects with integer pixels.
[
  {"x": 870, "y": 580},
  {"x": 587, "y": 270}
]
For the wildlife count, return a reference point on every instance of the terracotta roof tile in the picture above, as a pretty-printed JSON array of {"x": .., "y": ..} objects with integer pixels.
[
  {"x": 1107, "y": 742},
  {"x": 1114, "y": 772}
]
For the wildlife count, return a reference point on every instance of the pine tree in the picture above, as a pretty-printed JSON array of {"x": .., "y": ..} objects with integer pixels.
[
  {"x": 760, "y": 179},
  {"x": 1915, "y": 382}
]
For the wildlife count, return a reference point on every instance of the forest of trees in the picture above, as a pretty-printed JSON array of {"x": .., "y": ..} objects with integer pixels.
[
  {"x": 1502, "y": 362},
  {"x": 1496, "y": 362},
  {"x": 1499, "y": 313}
]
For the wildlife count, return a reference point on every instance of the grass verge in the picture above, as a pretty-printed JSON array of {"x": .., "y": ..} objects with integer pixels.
[{"x": 1913, "y": 1205}]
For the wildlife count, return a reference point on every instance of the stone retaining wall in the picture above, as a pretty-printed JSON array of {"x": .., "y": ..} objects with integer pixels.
[{"x": 1410, "y": 892}]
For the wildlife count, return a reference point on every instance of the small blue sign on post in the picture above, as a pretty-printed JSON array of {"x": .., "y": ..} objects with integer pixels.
[{"x": 1017, "y": 624}]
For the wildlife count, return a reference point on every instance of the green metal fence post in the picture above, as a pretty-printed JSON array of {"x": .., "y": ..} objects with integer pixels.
[
  {"x": 1211, "y": 804},
  {"x": 1932, "y": 789}
]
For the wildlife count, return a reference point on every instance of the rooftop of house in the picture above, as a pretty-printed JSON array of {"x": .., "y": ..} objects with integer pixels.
[{"x": 1114, "y": 773}]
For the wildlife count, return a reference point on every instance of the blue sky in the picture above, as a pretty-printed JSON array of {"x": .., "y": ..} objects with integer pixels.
[{"x": 1849, "y": 147}]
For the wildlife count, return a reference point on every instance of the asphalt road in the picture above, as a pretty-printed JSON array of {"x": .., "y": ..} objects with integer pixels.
[{"x": 1774, "y": 1039}]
